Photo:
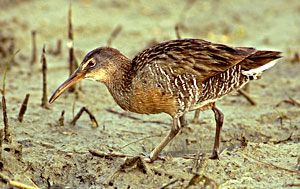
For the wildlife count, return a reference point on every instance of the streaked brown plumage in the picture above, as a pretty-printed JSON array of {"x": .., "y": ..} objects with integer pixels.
[{"x": 173, "y": 77}]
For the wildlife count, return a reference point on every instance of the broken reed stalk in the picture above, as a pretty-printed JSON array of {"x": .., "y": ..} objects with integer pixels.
[
  {"x": 3, "y": 81},
  {"x": 58, "y": 47},
  {"x": 44, "y": 72},
  {"x": 7, "y": 135},
  {"x": 61, "y": 119},
  {"x": 23, "y": 108},
  {"x": 114, "y": 34},
  {"x": 92, "y": 117},
  {"x": 1, "y": 140},
  {"x": 34, "y": 49},
  {"x": 71, "y": 46},
  {"x": 177, "y": 27}
]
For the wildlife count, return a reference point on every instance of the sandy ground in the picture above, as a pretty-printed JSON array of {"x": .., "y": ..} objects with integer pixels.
[{"x": 260, "y": 144}]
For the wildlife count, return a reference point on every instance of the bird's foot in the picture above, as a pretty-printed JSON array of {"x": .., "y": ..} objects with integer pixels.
[
  {"x": 215, "y": 154},
  {"x": 150, "y": 158},
  {"x": 195, "y": 121},
  {"x": 198, "y": 121}
]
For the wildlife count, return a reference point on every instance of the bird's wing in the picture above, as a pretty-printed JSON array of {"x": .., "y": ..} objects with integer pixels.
[{"x": 198, "y": 57}]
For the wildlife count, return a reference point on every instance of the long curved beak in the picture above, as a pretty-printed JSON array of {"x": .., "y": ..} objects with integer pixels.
[{"x": 76, "y": 76}]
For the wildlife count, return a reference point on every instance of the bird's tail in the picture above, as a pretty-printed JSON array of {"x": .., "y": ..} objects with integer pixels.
[{"x": 258, "y": 62}]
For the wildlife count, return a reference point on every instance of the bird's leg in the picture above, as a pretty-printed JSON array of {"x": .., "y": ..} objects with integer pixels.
[
  {"x": 196, "y": 116},
  {"x": 178, "y": 123},
  {"x": 182, "y": 122},
  {"x": 219, "y": 117}
]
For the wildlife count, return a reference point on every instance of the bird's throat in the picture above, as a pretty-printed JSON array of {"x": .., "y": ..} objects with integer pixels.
[{"x": 119, "y": 84}]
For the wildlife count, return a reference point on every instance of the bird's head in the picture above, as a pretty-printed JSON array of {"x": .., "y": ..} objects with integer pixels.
[{"x": 100, "y": 64}]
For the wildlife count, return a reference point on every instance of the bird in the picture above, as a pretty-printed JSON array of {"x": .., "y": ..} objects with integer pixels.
[{"x": 173, "y": 77}]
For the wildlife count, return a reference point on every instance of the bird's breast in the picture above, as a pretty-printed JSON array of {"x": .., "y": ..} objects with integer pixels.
[{"x": 152, "y": 100}]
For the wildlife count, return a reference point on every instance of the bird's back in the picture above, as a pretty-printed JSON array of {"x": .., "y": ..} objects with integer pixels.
[{"x": 196, "y": 72}]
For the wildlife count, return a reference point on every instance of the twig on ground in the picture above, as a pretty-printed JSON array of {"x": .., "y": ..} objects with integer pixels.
[
  {"x": 16, "y": 184},
  {"x": 92, "y": 117},
  {"x": 291, "y": 101},
  {"x": 140, "y": 139},
  {"x": 134, "y": 118},
  {"x": 268, "y": 164},
  {"x": 284, "y": 140},
  {"x": 108, "y": 155},
  {"x": 169, "y": 184},
  {"x": 247, "y": 96},
  {"x": 122, "y": 114}
]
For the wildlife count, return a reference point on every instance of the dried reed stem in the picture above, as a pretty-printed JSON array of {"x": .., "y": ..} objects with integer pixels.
[
  {"x": 44, "y": 72},
  {"x": 177, "y": 27},
  {"x": 23, "y": 108},
  {"x": 61, "y": 119},
  {"x": 7, "y": 135},
  {"x": 34, "y": 48},
  {"x": 71, "y": 47},
  {"x": 117, "y": 30}
]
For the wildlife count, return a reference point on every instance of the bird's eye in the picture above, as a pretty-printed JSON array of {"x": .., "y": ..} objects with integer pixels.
[{"x": 92, "y": 63}]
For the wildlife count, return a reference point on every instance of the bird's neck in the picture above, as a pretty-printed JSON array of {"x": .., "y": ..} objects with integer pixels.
[{"x": 120, "y": 84}]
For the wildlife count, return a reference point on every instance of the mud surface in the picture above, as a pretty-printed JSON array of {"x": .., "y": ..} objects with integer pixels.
[{"x": 260, "y": 144}]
